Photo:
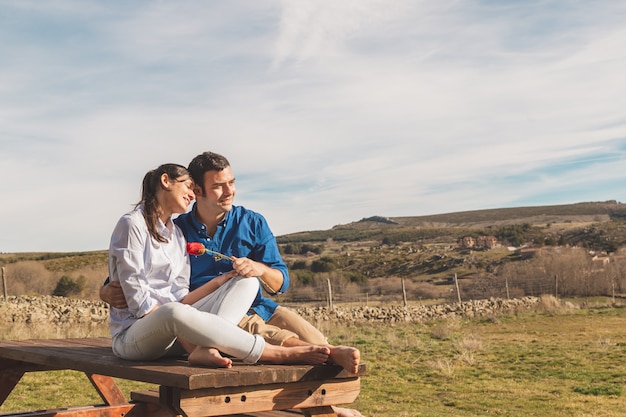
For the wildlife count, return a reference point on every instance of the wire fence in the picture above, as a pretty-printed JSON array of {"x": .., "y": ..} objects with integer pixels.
[{"x": 570, "y": 274}]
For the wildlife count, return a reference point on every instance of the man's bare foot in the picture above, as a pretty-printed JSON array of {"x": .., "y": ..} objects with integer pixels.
[
  {"x": 347, "y": 357},
  {"x": 310, "y": 355},
  {"x": 346, "y": 412},
  {"x": 205, "y": 356}
]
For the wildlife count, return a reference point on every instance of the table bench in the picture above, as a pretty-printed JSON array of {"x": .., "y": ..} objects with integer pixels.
[{"x": 243, "y": 390}]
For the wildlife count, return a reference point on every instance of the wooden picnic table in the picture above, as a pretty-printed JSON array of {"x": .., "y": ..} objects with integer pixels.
[{"x": 183, "y": 390}]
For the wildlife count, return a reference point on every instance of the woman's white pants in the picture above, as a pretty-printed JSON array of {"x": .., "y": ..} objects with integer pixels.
[{"x": 210, "y": 322}]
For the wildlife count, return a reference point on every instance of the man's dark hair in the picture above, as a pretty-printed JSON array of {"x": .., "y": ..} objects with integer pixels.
[{"x": 207, "y": 161}]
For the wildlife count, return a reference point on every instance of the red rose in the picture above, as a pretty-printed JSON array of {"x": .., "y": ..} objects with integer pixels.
[{"x": 195, "y": 248}]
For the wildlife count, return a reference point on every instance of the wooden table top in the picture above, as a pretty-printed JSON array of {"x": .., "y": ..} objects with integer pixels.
[{"x": 94, "y": 355}]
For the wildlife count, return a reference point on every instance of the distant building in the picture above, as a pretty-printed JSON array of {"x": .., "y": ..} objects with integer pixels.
[{"x": 468, "y": 242}]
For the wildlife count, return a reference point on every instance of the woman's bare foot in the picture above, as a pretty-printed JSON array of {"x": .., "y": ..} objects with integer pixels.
[
  {"x": 346, "y": 356},
  {"x": 205, "y": 356},
  {"x": 310, "y": 355}
]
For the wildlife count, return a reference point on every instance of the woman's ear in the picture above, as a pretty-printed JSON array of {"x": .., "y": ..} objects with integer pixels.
[{"x": 166, "y": 182}]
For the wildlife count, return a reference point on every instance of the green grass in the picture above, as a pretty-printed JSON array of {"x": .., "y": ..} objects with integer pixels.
[
  {"x": 567, "y": 364},
  {"x": 564, "y": 363}
]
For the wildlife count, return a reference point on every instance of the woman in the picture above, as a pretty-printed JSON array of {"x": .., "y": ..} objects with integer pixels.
[{"x": 147, "y": 257}]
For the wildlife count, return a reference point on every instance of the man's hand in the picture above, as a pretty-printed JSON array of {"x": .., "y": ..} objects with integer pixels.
[
  {"x": 113, "y": 295},
  {"x": 271, "y": 279},
  {"x": 246, "y": 267}
]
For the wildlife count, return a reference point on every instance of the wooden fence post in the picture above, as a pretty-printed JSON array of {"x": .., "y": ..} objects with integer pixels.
[
  {"x": 4, "y": 283},
  {"x": 330, "y": 295},
  {"x": 458, "y": 292},
  {"x": 556, "y": 286},
  {"x": 404, "y": 294},
  {"x": 506, "y": 283}
]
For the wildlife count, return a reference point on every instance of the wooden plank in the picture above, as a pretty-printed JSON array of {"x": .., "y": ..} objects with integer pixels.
[
  {"x": 146, "y": 396},
  {"x": 94, "y": 356},
  {"x": 286, "y": 413},
  {"x": 295, "y": 395},
  {"x": 127, "y": 410},
  {"x": 96, "y": 359},
  {"x": 325, "y": 411},
  {"x": 250, "y": 390},
  {"x": 6, "y": 364}
]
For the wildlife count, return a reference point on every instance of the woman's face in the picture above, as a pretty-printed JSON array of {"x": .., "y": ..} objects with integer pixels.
[{"x": 181, "y": 194}]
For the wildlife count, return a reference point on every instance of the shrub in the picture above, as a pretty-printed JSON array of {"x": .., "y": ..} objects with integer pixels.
[
  {"x": 299, "y": 265},
  {"x": 302, "y": 277},
  {"x": 323, "y": 265},
  {"x": 68, "y": 286}
]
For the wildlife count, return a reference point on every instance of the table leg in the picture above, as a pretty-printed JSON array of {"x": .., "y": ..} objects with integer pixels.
[
  {"x": 8, "y": 380},
  {"x": 108, "y": 390}
]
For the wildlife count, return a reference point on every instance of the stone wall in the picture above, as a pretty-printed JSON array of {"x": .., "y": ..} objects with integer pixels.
[
  {"x": 420, "y": 313},
  {"x": 64, "y": 312},
  {"x": 53, "y": 310}
]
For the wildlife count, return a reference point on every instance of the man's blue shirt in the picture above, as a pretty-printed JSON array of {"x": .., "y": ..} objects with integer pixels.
[{"x": 242, "y": 233}]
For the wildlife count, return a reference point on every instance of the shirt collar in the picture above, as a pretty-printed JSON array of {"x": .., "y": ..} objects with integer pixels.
[
  {"x": 165, "y": 229},
  {"x": 201, "y": 227}
]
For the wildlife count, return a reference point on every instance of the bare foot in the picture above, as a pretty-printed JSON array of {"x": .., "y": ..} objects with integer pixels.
[
  {"x": 205, "y": 356},
  {"x": 310, "y": 355},
  {"x": 346, "y": 412},
  {"x": 347, "y": 357}
]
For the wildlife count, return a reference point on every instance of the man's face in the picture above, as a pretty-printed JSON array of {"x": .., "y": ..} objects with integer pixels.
[{"x": 219, "y": 192}]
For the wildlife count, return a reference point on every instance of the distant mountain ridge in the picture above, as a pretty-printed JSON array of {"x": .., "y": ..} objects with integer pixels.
[
  {"x": 576, "y": 213},
  {"x": 555, "y": 217}
]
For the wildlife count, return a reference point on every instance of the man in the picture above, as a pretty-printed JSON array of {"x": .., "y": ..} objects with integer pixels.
[{"x": 244, "y": 236}]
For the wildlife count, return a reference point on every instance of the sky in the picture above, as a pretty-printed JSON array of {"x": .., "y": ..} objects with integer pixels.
[{"x": 328, "y": 111}]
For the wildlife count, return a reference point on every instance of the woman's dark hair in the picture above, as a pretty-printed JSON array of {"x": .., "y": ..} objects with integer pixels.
[
  {"x": 151, "y": 183},
  {"x": 207, "y": 161}
]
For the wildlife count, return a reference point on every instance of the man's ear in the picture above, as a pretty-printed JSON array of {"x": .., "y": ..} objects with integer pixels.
[{"x": 197, "y": 190}]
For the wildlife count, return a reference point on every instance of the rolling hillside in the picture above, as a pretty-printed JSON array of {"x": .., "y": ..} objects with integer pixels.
[
  {"x": 366, "y": 256},
  {"x": 558, "y": 218}
]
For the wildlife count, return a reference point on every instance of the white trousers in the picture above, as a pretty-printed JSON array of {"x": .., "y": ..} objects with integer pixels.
[{"x": 210, "y": 322}]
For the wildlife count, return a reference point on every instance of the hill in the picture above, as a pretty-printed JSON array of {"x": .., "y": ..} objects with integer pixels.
[
  {"x": 486, "y": 249},
  {"x": 370, "y": 256},
  {"x": 558, "y": 218},
  {"x": 566, "y": 213}
]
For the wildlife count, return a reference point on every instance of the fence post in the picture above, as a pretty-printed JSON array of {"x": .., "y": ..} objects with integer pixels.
[
  {"x": 556, "y": 286},
  {"x": 458, "y": 292},
  {"x": 506, "y": 283},
  {"x": 613, "y": 290},
  {"x": 4, "y": 283},
  {"x": 404, "y": 294},
  {"x": 330, "y": 295}
]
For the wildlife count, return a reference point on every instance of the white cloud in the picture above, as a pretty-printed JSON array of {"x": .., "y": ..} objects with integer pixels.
[{"x": 329, "y": 111}]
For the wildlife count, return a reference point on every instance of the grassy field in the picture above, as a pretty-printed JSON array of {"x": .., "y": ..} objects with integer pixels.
[{"x": 550, "y": 363}]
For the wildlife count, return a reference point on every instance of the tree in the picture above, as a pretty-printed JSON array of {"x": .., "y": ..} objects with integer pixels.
[{"x": 68, "y": 286}]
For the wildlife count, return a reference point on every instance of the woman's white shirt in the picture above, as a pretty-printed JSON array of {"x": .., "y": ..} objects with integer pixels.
[{"x": 151, "y": 273}]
